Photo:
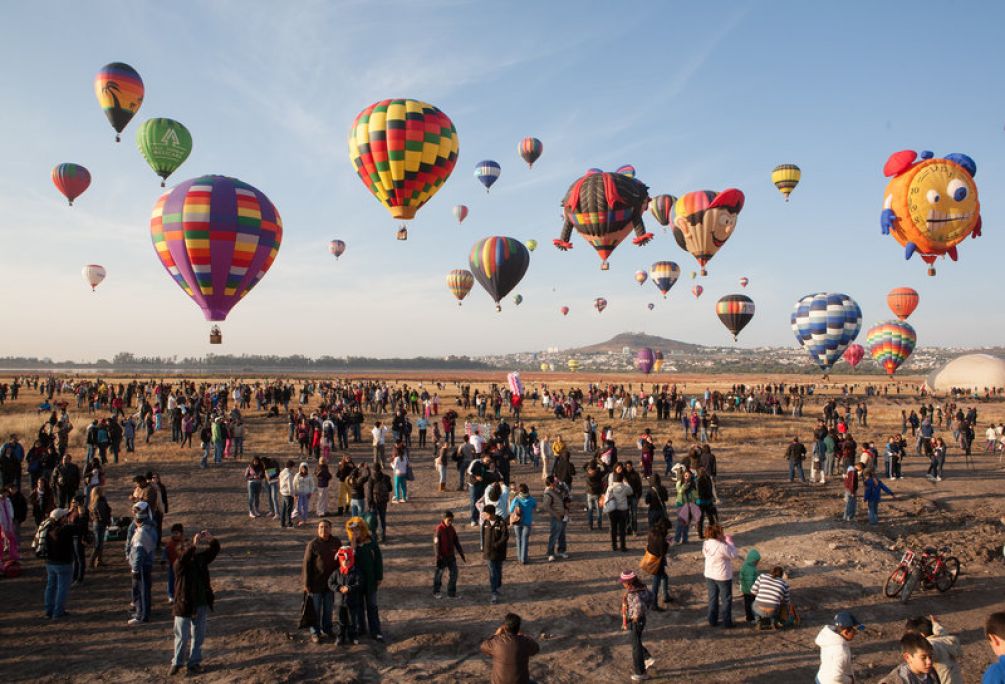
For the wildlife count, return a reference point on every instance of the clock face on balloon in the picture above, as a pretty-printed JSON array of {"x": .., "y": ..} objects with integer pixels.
[{"x": 942, "y": 201}]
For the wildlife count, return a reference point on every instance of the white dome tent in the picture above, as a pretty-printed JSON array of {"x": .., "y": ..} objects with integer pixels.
[{"x": 968, "y": 372}]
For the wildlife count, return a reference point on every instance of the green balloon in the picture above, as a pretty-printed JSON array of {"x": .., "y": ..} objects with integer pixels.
[{"x": 165, "y": 144}]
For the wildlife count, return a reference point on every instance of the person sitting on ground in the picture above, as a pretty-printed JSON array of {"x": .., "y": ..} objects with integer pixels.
[
  {"x": 771, "y": 598},
  {"x": 918, "y": 666}
]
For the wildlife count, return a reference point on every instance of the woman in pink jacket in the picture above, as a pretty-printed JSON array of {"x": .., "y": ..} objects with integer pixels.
[{"x": 719, "y": 553}]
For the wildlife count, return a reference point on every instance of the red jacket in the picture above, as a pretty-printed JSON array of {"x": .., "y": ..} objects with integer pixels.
[
  {"x": 851, "y": 481},
  {"x": 446, "y": 541}
]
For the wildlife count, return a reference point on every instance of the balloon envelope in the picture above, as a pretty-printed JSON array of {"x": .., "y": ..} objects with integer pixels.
[
  {"x": 786, "y": 178},
  {"x": 530, "y": 150},
  {"x": 661, "y": 207},
  {"x": 825, "y": 323},
  {"x": 531, "y": 245},
  {"x": 657, "y": 360},
  {"x": 641, "y": 277},
  {"x": 902, "y": 301},
  {"x": 119, "y": 90},
  {"x": 704, "y": 220},
  {"x": 518, "y": 300},
  {"x": 165, "y": 144},
  {"x": 498, "y": 264},
  {"x": 697, "y": 290},
  {"x": 460, "y": 213},
  {"x": 644, "y": 359},
  {"x": 487, "y": 172},
  {"x": 890, "y": 343},
  {"x": 564, "y": 310},
  {"x": 93, "y": 274},
  {"x": 217, "y": 237},
  {"x": 71, "y": 180},
  {"x": 735, "y": 311},
  {"x": 744, "y": 281},
  {"x": 600, "y": 304},
  {"x": 854, "y": 354},
  {"x": 664, "y": 274},
  {"x": 460, "y": 281},
  {"x": 337, "y": 248}
]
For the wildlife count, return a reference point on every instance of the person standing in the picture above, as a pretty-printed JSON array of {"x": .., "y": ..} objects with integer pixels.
[
  {"x": 400, "y": 467},
  {"x": 58, "y": 544},
  {"x": 286, "y": 494},
  {"x": 719, "y": 553},
  {"x": 795, "y": 454},
  {"x": 303, "y": 486},
  {"x": 323, "y": 475},
  {"x": 635, "y": 603},
  {"x": 835, "y": 654},
  {"x": 255, "y": 475},
  {"x": 521, "y": 518},
  {"x": 318, "y": 565},
  {"x": 445, "y": 543},
  {"x": 65, "y": 481},
  {"x": 556, "y": 505},
  {"x": 495, "y": 538},
  {"x": 658, "y": 544},
  {"x": 141, "y": 541},
  {"x": 873, "y": 490},
  {"x": 101, "y": 516},
  {"x": 371, "y": 568},
  {"x": 378, "y": 494},
  {"x": 379, "y": 434},
  {"x": 618, "y": 493},
  {"x": 193, "y": 601},
  {"x": 851, "y": 478},
  {"x": 510, "y": 651},
  {"x": 946, "y": 647},
  {"x": 748, "y": 575}
]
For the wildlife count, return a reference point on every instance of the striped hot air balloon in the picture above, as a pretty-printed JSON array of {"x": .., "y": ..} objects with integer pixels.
[
  {"x": 697, "y": 290},
  {"x": 460, "y": 213},
  {"x": 657, "y": 360},
  {"x": 217, "y": 237},
  {"x": 93, "y": 274},
  {"x": 119, "y": 90},
  {"x": 336, "y": 248},
  {"x": 825, "y": 323},
  {"x": 487, "y": 172},
  {"x": 530, "y": 150},
  {"x": 786, "y": 178},
  {"x": 641, "y": 277},
  {"x": 71, "y": 180},
  {"x": 890, "y": 343},
  {"x": 664, "y": 274},
  {"x": 403, "y": 151},
  {"x": 902, "y": 301},
  {"x": 626, "y": 170},
  {"x": 744, "y": 281},
  {"x": 498, "y": 264},
  {"x": 660, "y": 207},
  {"x": 600, "y": 304},
  {"x": 735, "y": 311},
  {"x": 460, "y": 281},
  {"x": 703, "y": 220}
]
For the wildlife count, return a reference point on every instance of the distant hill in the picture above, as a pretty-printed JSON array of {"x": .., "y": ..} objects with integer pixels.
[{"x": 634, "y": 341}]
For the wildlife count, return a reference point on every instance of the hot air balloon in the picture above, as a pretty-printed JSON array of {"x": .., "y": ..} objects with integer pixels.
[
  {"x": 825, "y": 323},
  {"x": 697, "y": 290},
  {"x": 460, "y": 213},
  {"x": 518, "y": 299},
  {"x": 644, "y": 359},
  {"x": 786, "y": 178},
  {"x": 890, "y": 343},
  {"x": 337, "y": 248},
  {"x": 544, "y": 368},
  {"x": 531, "y": 245},
  {"x": 735, "y": 311},
  {"x": 514, "y": 383},
  {"x": 664, "y": 274},
  {"x": 650, "y": 306},
  {"x": 460, "y": 281},
  {"x": 641, "y": 277},
  {"x": 572, "y": 365},
  {"x": 119, "y": 90},
  {"x": 71, "y": 180},
  {"x": 498, "y": 264},
  {"x": 530, "y": 150},
  {"x": 93, "y": 275},
  {"x": 403, "y": 151},
  {"x": 217, "y": 237},
  {"x": 931, "y": 205},
  {"x": 704, "y": 220},
  {"x": 626, "y": 170},
  {"x": 853, "y": 354},
  {"x": 660, "y": 207},
  {"x": 902, "y": 301},
  {"x": 657, "y": 361},
  {"x": 165, "y": 144},
  {"x": 743, "y": 281},
  {"x": 600, "y": 304},
  {"x": 604, "y": 208},
  {"x": 487, "y": 172},
  {"x": 694, "y": 274},
  {"x": 564, "y": 310}
]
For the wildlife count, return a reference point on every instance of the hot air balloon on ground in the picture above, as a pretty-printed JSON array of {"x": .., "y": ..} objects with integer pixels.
[
  {"x": 93, "y": 274},
  {"x": 460, "y": 281},
  {"x": 661, "y": 207},
  {"x": 704, "y": 220},
  {"x": 902, "y": 301},
  {"x": 697, "y": 290},
  {"x": 657, "y": 361},
  {"x": 71, "y": 180},
  {"x": 498, "y": 264},
  {"x": 931, "y": 205},
  {"x": 664, "y": 274},
  {"x": 564, "y": 310},
  {"x": 403, "y": 151},
  {"x": 572, "y": 365},
  {"x": 514, "y": 383},
  {"x": 735, "y": 311},
  {"x": 165, "y": 144},
  {"x": 530, "y": 150},
  {"x": 337, "y": 248},
  {"x": 487, "y": 172},
  {"x": 518, "y": 300},
  {"x": 604, "y": 208},
  {"x": 217, "y": 237},
  {"x": 641, "y": 277},
  {"x": 825, "y": 323},
  {"x": 544, "y": 368},
  {"x": 460, "y": 213},
  {"x": 890, "y": 343},
  {"x": 786, "y": 178},
  {"x": 119, "y": 90},
  {"x": 853, "y": 354},
  {"x": 531, "y": 245},
  {"x": 644, "y": 359},
  {"x": 600, "y": 304},
  {"x": 744, "y": 281}
]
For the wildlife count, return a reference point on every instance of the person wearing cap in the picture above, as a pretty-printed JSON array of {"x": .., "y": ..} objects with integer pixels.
[
  {"x": 59, "y": 560},
  {"x": 835, "y": 653},
  {"x": 635, "y": 603}
]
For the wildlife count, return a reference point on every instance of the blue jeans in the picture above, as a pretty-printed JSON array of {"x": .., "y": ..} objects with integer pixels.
[
  {"x": 57, "y": 587},
  {"x": 190, "y": 630},
  {"x": 287, "y": 512},
  {"x": 720, "y": 601},
  {"x": 873, "y": 512},
  {"x": 400, "y": 488},
  {"x": 218, "y": 452},
  {"x": 303, "y": 506},
  {"x": 356, "y": 508},
  {"x": 142, "y": 587},
  {"x": 556, "y": 536},
  {"x": 522, "y": 542},
  {"x": 593, "y": 507},
  {"x": 323, "y": 604},
  {"x": 495, "y": 575},
  {"x": 850, "y": 504},
  {"x": 475, "y": 493},
  {"x": 273, "y": 492},
  {"x": 254, "y": 492},
  {"x": 793, "y": 467},
  {"x": 170, "y": 580}
]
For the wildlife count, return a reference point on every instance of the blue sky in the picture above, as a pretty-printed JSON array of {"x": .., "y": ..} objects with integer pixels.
[{"x": 695, "y": 95}]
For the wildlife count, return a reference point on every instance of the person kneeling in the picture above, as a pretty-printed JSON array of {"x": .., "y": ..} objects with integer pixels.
[{"x": 771, "y": 597}]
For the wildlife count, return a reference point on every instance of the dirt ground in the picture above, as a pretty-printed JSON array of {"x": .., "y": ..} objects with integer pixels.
[{"x": 571, "y": 607}]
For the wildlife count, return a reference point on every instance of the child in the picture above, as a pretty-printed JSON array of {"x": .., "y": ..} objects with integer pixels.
[
  {"x": 445, "y": 542},
  {"x": 635, "y": 602},
  {"x": 345, "y": 583},
  {"x": 994, "y": 630},
  {"x": 835, "y": 653},
  {"x": 917, "y": 666},
  {"x": 945, "y": 647},
  {"x": 172, "y": 550},
  {"x": 748, "y": 575}
]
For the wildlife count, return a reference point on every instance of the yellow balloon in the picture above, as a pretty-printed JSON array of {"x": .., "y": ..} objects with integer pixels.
[{"x": 786, "y": 178}]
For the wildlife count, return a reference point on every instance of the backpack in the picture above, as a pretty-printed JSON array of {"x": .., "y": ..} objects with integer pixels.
[{"x": 41, "y": 541}]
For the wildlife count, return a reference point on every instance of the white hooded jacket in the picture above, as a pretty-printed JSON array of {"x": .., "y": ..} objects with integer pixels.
[{"x": 835, "y": 658}]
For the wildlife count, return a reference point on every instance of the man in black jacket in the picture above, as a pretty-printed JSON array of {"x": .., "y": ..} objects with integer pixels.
[
  {"x": 65, "y": 481},
  {"x": 59, "y": 559},
  {"x": 193, "y": 600},
  {"x": 319, "y": 563},
  {"x": 495, "y": 538}
]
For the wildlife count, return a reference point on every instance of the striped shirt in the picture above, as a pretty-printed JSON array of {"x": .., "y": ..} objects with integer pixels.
[{"x": 771, "y": 590}]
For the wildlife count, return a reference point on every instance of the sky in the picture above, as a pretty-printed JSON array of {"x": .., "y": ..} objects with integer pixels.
[{"x": 694, "y": 95}]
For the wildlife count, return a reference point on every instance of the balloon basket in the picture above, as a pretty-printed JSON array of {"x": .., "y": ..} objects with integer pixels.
[
  {"x": 498, "y": 308},
  {"x": 704, "y": 272},
  {"x": 604, "y": 265},
  {"x": 931, "y": 270},
  {"x": 215, "y": 336},
  {"x": 402, "y": 233}
]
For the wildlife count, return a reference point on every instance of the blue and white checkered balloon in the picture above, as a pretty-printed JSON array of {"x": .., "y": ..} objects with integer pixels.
[{"x": 825, "y": 323}]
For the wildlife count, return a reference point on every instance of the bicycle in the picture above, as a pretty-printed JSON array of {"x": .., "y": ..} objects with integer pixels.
[{"x": 932, "y": 569}]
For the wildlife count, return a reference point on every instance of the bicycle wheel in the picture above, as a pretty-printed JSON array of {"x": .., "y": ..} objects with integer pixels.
[
  {"x": 912, "y": 582},
  {"x": 895, "y": 582},
  {"x": 946, "y": 577}
]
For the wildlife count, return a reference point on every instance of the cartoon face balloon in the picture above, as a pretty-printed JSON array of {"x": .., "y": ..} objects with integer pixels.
[
  {"x": 704, "y": 220},
  {"x": 930, "y": 206}
]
